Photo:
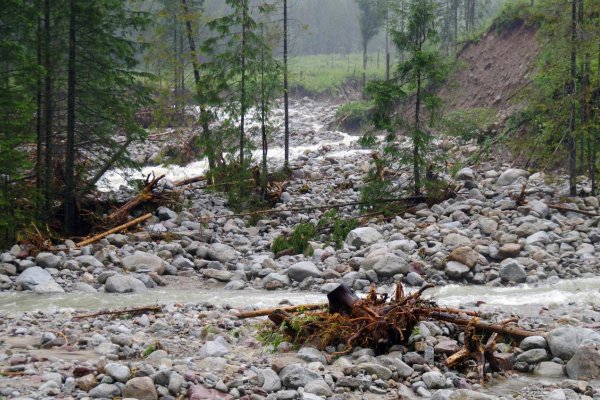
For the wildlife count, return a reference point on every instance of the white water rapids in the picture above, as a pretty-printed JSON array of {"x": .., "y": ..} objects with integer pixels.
[{"x": 573, "y": 292}]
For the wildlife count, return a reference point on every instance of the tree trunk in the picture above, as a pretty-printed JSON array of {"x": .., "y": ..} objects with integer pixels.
[
  {"x": 263, "y": 123},
  {"x": 243, "y": 87},
  {"x": 286, "y": 87},
  {"x": 70, "y": 151},
  {"x": 586, "y": 118},
  {"x": 39, "y": 163},
  {"x": 387, "y": 40},
  {"x": 572, "y": 89},
  {"x": 364, "y": 77},
  {"x": 582, "y": 159},
  {"x": 204, "y": 117},
  {"x": 48, "y": 111}
]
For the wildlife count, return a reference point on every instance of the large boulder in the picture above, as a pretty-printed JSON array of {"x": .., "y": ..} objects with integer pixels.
[
  {"x": 48, "y": 260},
  {"x": 140, "y": 388},
  {"x": 32, "y": 277},
  {"x": 222, "y": 252},
  {"x": 565, "y": 341},
  {"x": 363, "y": 236},
  {"x": 295, "y": 376},
  {"x": 268, "y": 380},
  {"x": 390, "y": 265},
  {"x": 302, "y": 270},
  {"x": 141, "y": 259},
  {"x": 456, "y": 270},
  {"x": 585, "y": 363},
  {"x": 465, "y": 255},
  {"x": 124, "y": 284},
  {"x": 512, "y": 271},
  {"x": 509, "y": 176}
]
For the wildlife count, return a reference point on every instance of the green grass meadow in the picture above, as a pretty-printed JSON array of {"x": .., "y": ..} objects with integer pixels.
[{"x": 326, "y": 73}]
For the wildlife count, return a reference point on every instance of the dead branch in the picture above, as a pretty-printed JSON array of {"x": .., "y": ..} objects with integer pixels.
[
  {"x": 564, "y": 208},
  {"x": 265, "y": 312},
  {"x": 485, "y": 326},
  {"x": 139, "y": 310},
  {"x": 119, "y": 228},
  {"x": 144, "y": 195},
  {"x": 189, "y": 181}
]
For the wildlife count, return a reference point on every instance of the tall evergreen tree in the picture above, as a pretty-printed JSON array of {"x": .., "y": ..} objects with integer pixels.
[{"x": 371, "y": 19}]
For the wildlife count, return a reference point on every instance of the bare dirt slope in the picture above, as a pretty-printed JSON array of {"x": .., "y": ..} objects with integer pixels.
[{"x": 492, "y": 71}]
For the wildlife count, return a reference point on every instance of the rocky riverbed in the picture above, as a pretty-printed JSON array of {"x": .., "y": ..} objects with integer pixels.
[{"x": 481, "y": 237}]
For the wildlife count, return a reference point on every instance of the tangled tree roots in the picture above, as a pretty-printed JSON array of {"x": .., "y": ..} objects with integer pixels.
[{"x": 379, "y": 323}]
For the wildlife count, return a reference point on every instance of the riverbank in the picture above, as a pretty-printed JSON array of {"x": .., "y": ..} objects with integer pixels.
[{"x": 495, "y": 242}]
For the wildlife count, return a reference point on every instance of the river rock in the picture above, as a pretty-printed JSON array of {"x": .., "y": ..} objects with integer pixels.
[
  {"x": 509, "y": 176},
  {"x": 105, "y": 391},
  {"x": 222, "y": 252},
  {"x": 465, "y": 255},
  {"x": 147, "y": 260},
  {"x": 165, "y": 214},
  {"x": 363, "y": 236},
  {"x": 512, "y": 271},
  {"x": 585, "y": 363},
  {"x": 454, "y": 239},
  {"x": 199, "y": 392},
  {"x": 140, "y": 388},
  {"x": 390, "y": 265},
  {"x": 124, "y": 284},
  {"x": 456, "y": 270},
  {"x": 214, "y": 348},
  {"x": 302, "y": 270},
  {"x": 565, "y": 341},
  {"x": 218, "y": 274},
  {"x": 509, "y": 250},
  {"x": 539, "y": 207},
  {"x": 89, "y": 261},
  {"x": 32, "y": 277},
  {"x": 549, "y": 369},
  {"x": 310, "y": 354},
  {"x": 465, "y": 174},
  {"x": 434, "y": 380},
  {"x": 461, "y": 394},
  {"x": 538, "y": 238},
  {"x": 175, "y": 383},
  {"x": 487, "y": 225},
  {"x": 295, "y": 376},
  {"x": 118, "y": 372},
  {"x": 533, "y": 342},
  {"x": 48, "y": 287},
  {"x": 375, "y": 369},
  {"x": 48, "y": 260},
  {"x": 533, "y": 356},
  {"x": 319, "y": 388},
  {"x": 268, "y": 380}
]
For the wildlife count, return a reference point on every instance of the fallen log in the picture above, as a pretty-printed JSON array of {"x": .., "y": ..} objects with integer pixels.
[
  {"x": 269, "y": 311},
  {"x": 378, "y": 323},
  {"x": 119, "y": 228},
  {"x": 485, "y": 326},
  {"x": 189, "y": 181},
  {"x": 138, "y": 310},
  {"x": 563, "y": 208},
  {"x": 144, "y": 195}
]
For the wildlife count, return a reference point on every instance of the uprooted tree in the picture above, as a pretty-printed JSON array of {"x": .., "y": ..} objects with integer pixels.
[{"x": 379, "y": 323}]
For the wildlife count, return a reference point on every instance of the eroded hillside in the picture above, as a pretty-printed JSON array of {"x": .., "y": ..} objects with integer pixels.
[{"x": 493, "y": 70}]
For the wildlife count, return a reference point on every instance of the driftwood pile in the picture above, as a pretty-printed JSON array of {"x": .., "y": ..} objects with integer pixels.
[{"x": 379, "y": 323}]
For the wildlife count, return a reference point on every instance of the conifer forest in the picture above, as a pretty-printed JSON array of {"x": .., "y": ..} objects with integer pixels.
[{"x": 300, "y": 199}]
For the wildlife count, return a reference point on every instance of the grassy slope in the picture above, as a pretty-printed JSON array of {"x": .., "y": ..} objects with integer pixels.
[{"x": 318, "y": 75}]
